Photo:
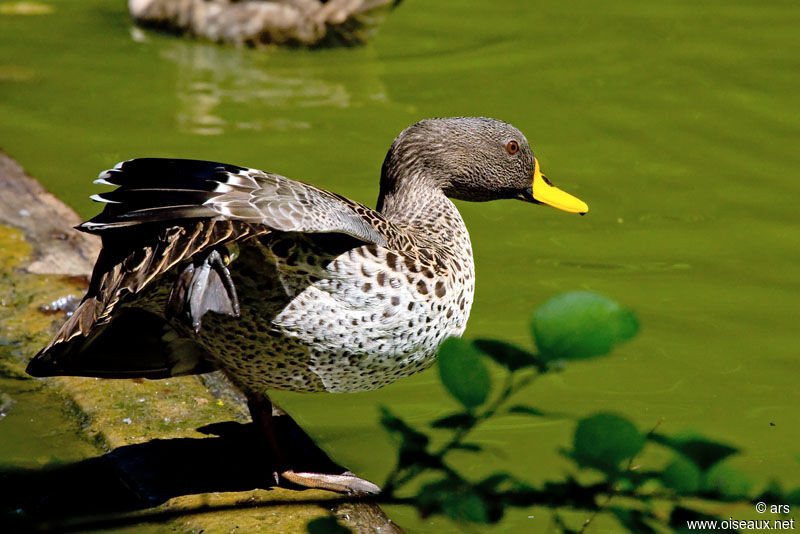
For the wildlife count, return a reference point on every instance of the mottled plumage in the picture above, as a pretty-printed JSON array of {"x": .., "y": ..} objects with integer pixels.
[{"x": 282, "y": 285}]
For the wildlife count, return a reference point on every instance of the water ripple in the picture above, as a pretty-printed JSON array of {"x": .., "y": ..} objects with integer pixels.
[{"x": 648, "y": 266}]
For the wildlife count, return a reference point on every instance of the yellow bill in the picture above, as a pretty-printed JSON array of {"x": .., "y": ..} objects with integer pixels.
[{"x": 546, "y": 193}]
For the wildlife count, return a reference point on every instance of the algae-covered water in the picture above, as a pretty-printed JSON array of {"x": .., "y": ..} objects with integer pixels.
[{"x": 677, "y": 122}]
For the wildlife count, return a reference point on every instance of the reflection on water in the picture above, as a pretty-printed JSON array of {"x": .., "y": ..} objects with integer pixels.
[
  {"x": 16, "y": 73},
  {"x": 647, "y": 266},
  {"x": 222, "y": 89},
  {"x": 25, "y": 8},
  {"x": 672, "y": 218}
]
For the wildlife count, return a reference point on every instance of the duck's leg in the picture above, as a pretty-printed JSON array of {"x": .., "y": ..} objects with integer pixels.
[{"x": 304, "y": 452}]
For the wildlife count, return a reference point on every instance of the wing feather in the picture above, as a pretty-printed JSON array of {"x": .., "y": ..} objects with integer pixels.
[{"x": 158, "y": 190}]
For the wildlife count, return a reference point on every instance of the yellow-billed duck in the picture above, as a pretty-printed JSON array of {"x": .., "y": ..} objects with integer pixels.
[{"x": 308, "y": 290}]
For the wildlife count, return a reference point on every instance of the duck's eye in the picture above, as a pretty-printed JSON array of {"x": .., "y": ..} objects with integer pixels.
[{"x": 512, "y": 147}]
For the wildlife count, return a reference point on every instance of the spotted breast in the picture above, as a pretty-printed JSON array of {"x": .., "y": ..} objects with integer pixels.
[{"x": 320, "y": 317}]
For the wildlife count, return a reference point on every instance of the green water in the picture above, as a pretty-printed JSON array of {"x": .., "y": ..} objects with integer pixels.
[{"x": 678, "y": 123}]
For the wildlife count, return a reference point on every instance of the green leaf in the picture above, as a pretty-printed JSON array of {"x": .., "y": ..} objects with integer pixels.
[
  {"x": 580, "y": 325},
  {"x": 491, "y": 482},
  {"x": 410, "y": 437},
  {"x": 454, "y": 499},
  {"x": 504, "y": 482},
  {"x": 413, "y": 444},
  {"x": 773, "y": 492},
  {"x": 727, "y": 482},
  {"x": 459, "y": 420},
  {"x": 521, "y": 409},
  {"x": 682, "y": 475},
  {"x": 704, "y": 453},
  {"x": 463, "y": 372},
  {"x": 326, "y": 525},
  {"x": 603, "y": 441},
  {"x": 506, "y": 354},
  {"x": 633, "y": 520},
  {"x": 467, "y": 507}
]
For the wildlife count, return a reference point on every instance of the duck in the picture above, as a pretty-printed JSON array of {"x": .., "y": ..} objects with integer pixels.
[
  {"x": 258, "y": 23},
  {"x": 282, "y": 285}
]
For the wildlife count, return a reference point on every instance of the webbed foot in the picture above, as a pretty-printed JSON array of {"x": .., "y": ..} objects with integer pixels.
[
  {"x": 202, "y": 287},
  {"x": 295, "y": 449},
  {"x": 347, "y": 482}
]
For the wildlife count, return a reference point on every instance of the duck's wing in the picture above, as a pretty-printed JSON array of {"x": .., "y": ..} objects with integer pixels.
[
  {"x": 164, "y": 212},
  {"x": 157, "y": 190}
]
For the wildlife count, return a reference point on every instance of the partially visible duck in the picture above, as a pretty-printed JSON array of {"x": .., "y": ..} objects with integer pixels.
[
  {"x": 308, "y": 290},
  {"x": 267, "y": 22}
]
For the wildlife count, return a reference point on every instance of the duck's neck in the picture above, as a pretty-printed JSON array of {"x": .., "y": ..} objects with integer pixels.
[{"x": 418, "y": 202}]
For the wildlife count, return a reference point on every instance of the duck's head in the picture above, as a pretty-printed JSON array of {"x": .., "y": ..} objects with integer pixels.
[{"x": 471, "y": 158}]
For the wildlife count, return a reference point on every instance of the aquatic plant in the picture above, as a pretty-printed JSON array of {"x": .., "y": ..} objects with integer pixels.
[{"x": 607, "y": 476}]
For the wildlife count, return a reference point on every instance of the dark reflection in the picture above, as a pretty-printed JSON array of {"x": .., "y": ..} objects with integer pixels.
[{"x": 90, "y": 493}]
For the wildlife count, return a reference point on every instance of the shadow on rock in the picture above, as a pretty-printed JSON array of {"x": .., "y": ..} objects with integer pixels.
[{"x": 137, "y": 477}]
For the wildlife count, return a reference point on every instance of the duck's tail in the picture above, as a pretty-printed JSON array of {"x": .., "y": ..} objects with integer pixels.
[{"x": 136, "y": 344}]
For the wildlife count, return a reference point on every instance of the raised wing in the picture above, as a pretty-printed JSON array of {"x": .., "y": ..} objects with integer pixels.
[
  {"x": 166, "y": 212},
  {"x": 158, "y": 190}
]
